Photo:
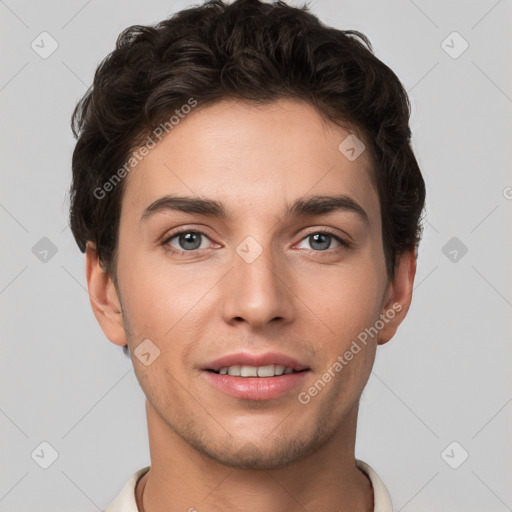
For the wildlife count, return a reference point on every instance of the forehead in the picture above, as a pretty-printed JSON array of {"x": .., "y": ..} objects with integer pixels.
[{"x": 252, "y": 158}]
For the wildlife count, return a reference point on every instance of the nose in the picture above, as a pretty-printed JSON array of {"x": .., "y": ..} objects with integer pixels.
[{"x": 258, "y": 290}]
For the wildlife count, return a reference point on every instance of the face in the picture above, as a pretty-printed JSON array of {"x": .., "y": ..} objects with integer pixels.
[{"x": 263, "y": 282}]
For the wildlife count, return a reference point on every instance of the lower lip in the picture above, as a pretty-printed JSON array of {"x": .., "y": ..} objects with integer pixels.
[{"x": 256, "y": 388}]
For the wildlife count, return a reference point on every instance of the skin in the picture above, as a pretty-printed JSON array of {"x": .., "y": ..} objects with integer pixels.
[{"x": 208, "y": 450}]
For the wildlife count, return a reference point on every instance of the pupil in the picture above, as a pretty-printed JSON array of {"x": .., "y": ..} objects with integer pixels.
[
  {"x": 188, "y": 238},
  {"x": 324, "y": 245}
]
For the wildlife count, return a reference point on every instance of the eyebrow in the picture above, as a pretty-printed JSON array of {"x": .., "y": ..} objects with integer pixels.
[{"x": 302, "y": 207}]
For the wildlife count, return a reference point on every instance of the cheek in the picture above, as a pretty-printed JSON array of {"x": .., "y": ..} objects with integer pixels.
[
  {"x": 156, "y": 294},
  {"x": 346, "y": 302},
  {"x": 349, "y": 346},
  {"x": 346, "y": 296}
]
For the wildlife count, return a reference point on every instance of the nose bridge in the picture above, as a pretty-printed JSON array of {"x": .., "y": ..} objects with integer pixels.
[{"x": 256, "y": 288}]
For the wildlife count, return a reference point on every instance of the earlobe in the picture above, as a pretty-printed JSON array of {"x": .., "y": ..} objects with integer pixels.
[
  {"x": 399, "y": 295},
  {"x": 103, "y": 296}
]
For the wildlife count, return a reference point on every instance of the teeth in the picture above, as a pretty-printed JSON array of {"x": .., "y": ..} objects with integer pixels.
[
  {"x": 234, "y": 370},
  {"x": 266, "y": 371},
  {"x": 270, "y": 370},
  {"x": 278, "y": 369},
  {"x": 249, "y": 371}
]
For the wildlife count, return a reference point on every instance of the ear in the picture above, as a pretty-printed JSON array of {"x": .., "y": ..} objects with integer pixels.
[
  {"x": 103, "y": 296},
  {"x": 398, "y": 295}
]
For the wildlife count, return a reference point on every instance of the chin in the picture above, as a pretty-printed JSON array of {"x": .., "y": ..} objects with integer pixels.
[{"x": 254, "y": 455}]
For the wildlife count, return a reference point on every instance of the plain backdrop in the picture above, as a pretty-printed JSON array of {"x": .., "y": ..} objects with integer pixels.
[{"x": 440, "y": 390}]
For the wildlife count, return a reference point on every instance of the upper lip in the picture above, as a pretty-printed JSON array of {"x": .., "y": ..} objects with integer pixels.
[{"x": 247, "y": 359}]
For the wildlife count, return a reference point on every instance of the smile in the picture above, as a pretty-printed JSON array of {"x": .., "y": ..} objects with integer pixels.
[{"x": 270, "y": 370}]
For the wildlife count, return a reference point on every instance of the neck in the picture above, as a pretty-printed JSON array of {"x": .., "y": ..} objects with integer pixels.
[{"x": 182, "y": 478}]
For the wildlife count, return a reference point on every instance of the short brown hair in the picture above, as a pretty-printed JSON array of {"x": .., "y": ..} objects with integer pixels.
[{"x": 247, "y": 50}]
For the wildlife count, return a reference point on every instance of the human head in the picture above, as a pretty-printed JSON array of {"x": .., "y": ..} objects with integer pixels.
[{"x": 238, "y": 78}]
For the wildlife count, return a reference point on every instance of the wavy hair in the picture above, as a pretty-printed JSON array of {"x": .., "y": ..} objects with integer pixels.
[{"x": 253, "y": 51}]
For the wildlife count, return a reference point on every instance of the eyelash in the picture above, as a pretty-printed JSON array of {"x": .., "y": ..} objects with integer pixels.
[{"x": 344, "y": 244}]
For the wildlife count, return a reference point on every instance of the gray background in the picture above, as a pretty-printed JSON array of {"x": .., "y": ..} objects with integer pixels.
[{"x": 446, "y": 375}]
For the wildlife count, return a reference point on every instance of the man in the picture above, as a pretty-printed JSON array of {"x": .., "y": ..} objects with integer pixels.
[{"x": 249, "y": 205}]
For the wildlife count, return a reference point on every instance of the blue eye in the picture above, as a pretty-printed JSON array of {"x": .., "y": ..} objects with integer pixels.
[
  {"x": 188, "y": 240},
  {"x": 323, "y": 241}
]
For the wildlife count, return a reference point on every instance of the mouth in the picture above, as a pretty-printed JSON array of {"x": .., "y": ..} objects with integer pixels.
[
  {"x": 256, "y": 377},
  {"x": 246, "y": 371}
]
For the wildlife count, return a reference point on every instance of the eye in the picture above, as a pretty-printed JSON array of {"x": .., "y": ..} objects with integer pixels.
[
  {"x": 187, "y": 240},
  {"x": 321, "y": 241},
  {"x": 190, "y": 241}
]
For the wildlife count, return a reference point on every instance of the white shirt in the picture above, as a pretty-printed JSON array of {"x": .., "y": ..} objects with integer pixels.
[{"x": 125, "y": 501}]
